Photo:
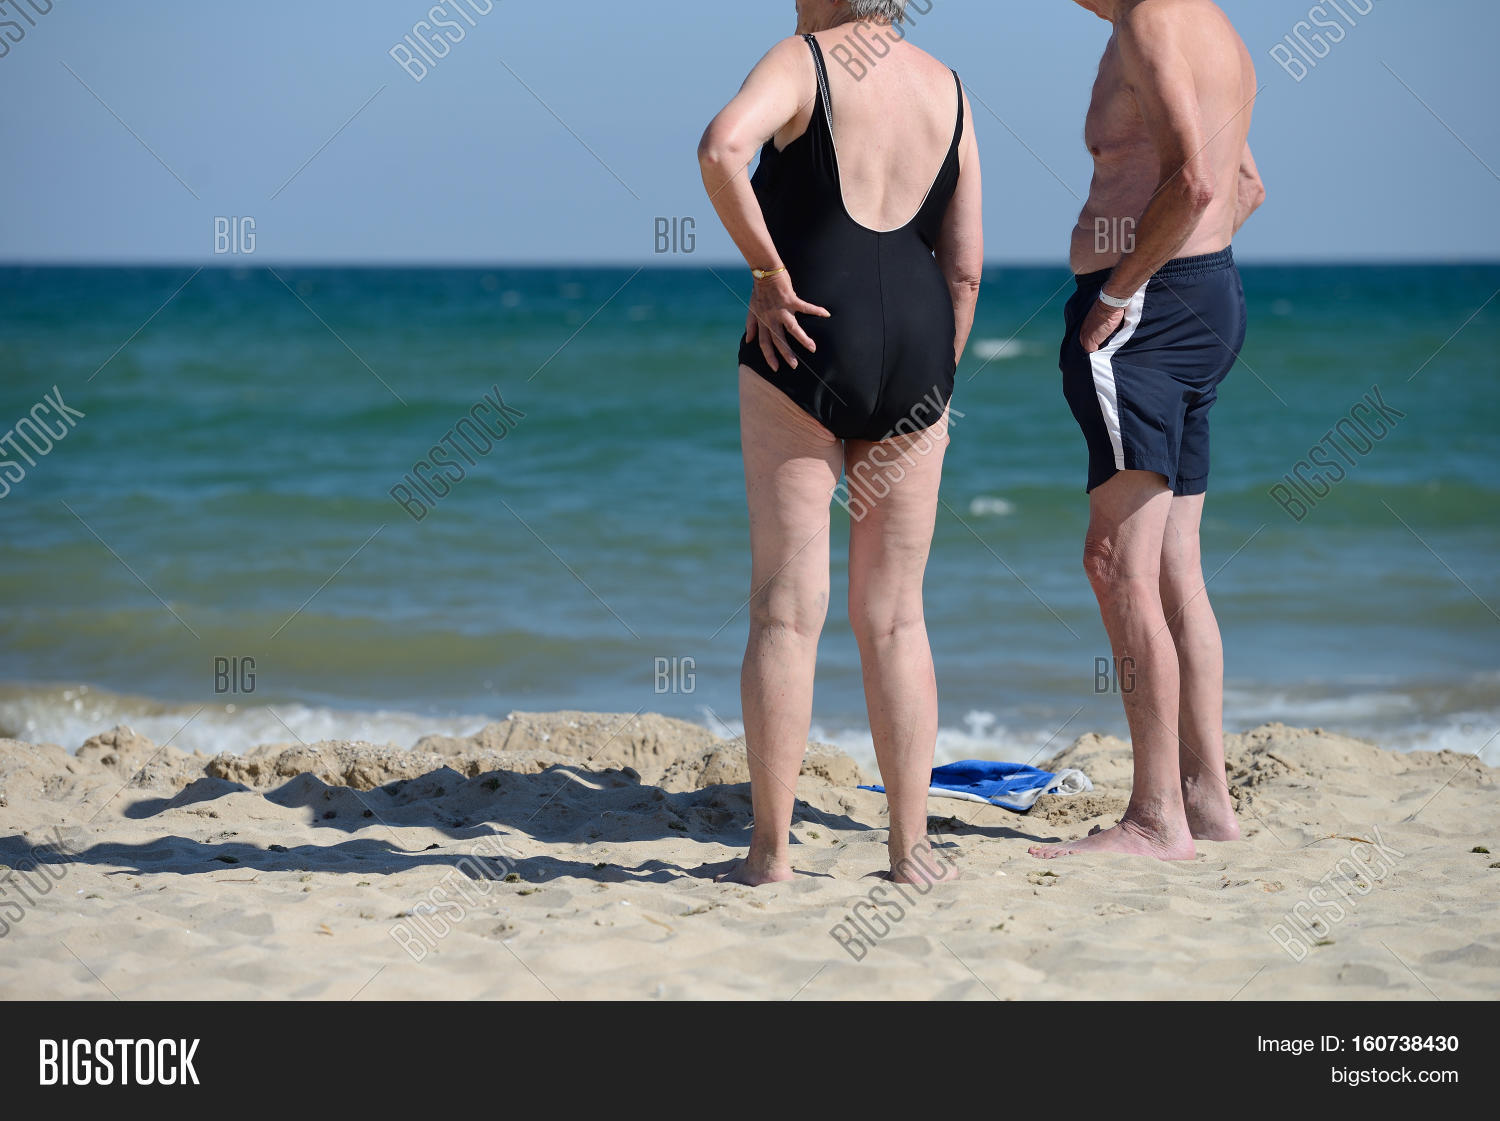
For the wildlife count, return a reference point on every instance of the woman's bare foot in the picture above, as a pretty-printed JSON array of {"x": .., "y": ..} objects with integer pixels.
[
  {"x": 1210, "y": 813},
  {"x": 921, "y": 864},
  {"x": 755, "y": 874},
  {"x": 1126, "y": 838},
  {"x": 944, "y": 873}
]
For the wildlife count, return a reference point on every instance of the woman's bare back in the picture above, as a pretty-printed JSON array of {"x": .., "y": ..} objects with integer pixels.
[{"x": 892, "y": 125}]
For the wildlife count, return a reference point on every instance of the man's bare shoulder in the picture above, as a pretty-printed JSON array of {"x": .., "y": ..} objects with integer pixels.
[
  {"x": 1150, "y": 22},
  {"x": 1158, "y": 35}
]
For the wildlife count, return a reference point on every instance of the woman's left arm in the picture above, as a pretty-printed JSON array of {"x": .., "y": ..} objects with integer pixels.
[
  {"x": 960, "y": 246},
  {"x": 768, "y": 100}
]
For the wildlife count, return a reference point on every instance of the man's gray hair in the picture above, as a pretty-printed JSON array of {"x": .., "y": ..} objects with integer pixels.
[{"x": 893, "y": 11}]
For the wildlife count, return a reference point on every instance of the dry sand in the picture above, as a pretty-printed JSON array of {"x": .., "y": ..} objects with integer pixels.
[{"x": 562, "y": 855}]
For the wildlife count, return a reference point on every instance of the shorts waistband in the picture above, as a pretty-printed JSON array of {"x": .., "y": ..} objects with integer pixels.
[{"x": 1179, "y": 268}]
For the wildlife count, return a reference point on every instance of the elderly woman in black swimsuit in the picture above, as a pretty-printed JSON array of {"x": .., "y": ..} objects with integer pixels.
[{"x": 862, "y": 228}]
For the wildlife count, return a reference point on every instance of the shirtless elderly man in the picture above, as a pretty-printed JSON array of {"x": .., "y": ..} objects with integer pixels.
[{"x": 1156, "y": 323}]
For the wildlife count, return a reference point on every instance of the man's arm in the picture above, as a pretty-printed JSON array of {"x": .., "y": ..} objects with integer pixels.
[
  {"x": 1161, "y": 78},
  {"x": 1252, "y": 192}
]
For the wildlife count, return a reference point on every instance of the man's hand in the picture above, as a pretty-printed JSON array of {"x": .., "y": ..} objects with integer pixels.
[
  {"x": 1252, "y": 192},
  {"x": 1102, "y": 322}
]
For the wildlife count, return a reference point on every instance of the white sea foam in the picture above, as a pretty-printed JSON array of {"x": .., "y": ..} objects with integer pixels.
[
  {"x": 989, "y": 506},
  {"x": 1390, "y": 720},
  {"x": 982, "y": 736},
  {"x": 997, "y": 350},
  {"x": 69, "y": 715}
]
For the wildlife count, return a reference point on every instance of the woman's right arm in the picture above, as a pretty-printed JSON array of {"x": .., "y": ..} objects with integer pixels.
[
  {"x": 767, "y": 101},
  {"x": 960, "y": 247}
]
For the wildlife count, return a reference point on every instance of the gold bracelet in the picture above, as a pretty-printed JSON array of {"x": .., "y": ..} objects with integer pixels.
[{"x": 762, "y": 274}]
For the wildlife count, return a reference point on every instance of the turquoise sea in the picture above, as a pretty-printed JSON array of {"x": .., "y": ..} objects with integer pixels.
[{"x": 225, "y": 495}]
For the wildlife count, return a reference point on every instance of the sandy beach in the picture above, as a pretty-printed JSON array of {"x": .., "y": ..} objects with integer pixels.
[{"x": 564, "y": 855}]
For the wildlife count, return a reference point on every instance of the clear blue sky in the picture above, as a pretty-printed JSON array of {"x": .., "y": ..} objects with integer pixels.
[{"x": 468, "y": 166}]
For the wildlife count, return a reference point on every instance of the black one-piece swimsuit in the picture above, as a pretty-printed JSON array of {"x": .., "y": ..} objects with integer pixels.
[{"x": 884, "y": 363}]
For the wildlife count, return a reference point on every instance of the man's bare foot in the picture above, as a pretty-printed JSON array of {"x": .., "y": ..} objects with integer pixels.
[
  {"x": 1210, "y": 814},
  {"x": 1126, "y": 838},
  {"x": 755, "y": 874}
]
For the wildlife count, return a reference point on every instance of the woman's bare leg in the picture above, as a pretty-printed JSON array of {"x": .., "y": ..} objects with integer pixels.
[
  {"x": 791, "y": 467},
  {"x": 893, "y": 494}
]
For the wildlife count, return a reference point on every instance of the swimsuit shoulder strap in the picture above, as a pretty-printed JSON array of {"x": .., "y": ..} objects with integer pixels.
[
  {"x": 822, "y": 149},
  {"x": 827, "y": 98},
  {"x": 941, "y": 192},
  {"x": 958, "y": 128}
]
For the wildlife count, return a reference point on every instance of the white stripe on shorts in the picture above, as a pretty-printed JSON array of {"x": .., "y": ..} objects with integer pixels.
[{"x": 1102, "y": 364}]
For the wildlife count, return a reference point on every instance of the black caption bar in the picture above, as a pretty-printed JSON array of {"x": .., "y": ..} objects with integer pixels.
[{"x": 188, "y": 1056}]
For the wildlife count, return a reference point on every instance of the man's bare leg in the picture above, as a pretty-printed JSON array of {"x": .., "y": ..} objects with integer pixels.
[
  {"x": 1200, "y": 660},
  {"x": 1122, "y": 555}
]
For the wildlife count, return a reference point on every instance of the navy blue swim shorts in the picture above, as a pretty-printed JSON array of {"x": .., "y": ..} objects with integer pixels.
[{"x": 1143, "y": 399}]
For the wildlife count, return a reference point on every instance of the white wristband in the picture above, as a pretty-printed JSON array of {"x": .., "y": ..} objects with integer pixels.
[{"x": 1114, "y": 301}]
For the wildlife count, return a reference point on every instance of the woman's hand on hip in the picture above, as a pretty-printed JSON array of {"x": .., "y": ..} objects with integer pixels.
[{"x": 774, "y": 307}]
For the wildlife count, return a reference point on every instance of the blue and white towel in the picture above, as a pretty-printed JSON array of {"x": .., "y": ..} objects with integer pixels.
[{"x": 1011, "y": 786}]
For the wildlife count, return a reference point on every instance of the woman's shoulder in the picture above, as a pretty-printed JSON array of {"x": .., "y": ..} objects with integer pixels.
[
  {"x": 791, "y": 49},
  {"x": 929, "y": 62},
  {"x": 788, "y": 58},
  {"x": 859, "y": 53}
]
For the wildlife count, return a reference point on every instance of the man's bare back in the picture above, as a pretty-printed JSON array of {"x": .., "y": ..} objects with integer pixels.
[{"x": 1128, "y": 116}]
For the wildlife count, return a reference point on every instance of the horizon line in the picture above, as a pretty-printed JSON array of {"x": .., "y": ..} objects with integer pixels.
[{"x": 247, "y": 262}]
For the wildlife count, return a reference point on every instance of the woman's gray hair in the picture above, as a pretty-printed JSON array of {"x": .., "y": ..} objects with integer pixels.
[{"x": 892, "y": 11}]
